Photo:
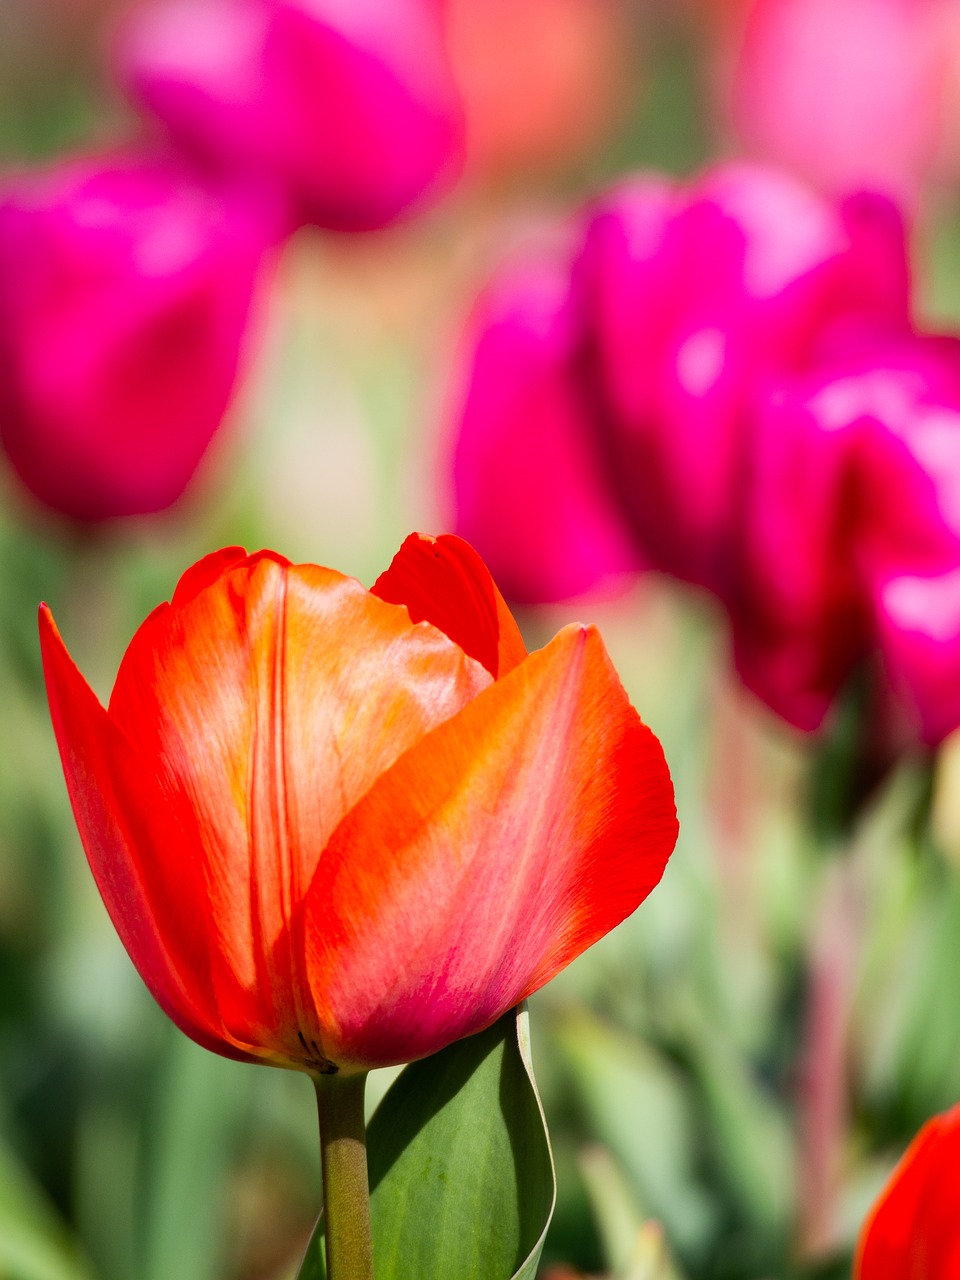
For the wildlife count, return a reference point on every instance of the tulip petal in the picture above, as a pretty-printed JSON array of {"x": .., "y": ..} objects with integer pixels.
[
  {"x": 444, "y": 581},
  {"x": 529, "y": 470},
  {"x": 102, "y": 772},
  {"x": 489, "y": 856},
  {"x": 918, "y": 624},
  {"x": 912, "y": 1233},
  {"x": 270, "y": 701},
  {"x": 205, "y": 572}
]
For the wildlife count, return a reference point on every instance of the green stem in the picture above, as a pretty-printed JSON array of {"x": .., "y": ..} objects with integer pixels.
[{"x": 346, "y": 1191}]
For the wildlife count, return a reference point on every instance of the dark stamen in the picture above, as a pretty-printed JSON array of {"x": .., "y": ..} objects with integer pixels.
[{"x": 316, "y": 1059}]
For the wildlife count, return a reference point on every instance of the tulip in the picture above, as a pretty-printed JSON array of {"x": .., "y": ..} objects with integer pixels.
[
  {"x": 849, "y": 93},
  {"x": 909, "y": 553},
  {"x": 125, "y": 292},
  {"x": 347, "y": 109},
  {"x": 338, "y": 829},
  {"x": 531, "y": 489},
  {"x": 696, "y": 297},
  {"x": 800, "y": 619},
  {"x": 851, "y": 534},
  {"x": 913, "y": 1231},
  {"x": 919, "y": 636}
]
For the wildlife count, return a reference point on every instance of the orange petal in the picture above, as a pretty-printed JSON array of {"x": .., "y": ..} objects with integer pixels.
[
  {"x": 491, "y": 854},
  {"x": 110, "y": 791},
  {"x": 270, "y": 701},
  {"x": 444, "y": 581}
]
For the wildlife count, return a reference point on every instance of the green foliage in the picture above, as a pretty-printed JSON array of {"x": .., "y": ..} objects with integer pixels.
[
  {"x": 34, "y": 1245},
  {"x": 461, "y": 1173}
]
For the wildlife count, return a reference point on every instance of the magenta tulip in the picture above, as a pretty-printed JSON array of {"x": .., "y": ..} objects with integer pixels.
[
  {"x": 728, "y": 387},
  {"x": 531, "y": 490},
  {"x": 348, "y": 109},
  {"x": 125, "y": 291},
  {"x": 909, "y": 553},
  {"x": 851, "y": 537},
  {"x": 699, "y": 296}
]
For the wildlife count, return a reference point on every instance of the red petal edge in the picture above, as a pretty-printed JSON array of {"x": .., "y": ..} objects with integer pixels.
[{"x": 444, "y": 581}]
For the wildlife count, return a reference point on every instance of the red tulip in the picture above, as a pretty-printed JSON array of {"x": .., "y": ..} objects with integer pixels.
[
  {"x": 125, "y": 292},
  {"x": 347, "y": 109},
  {"x": 913, "y": 1231},
  {"x": 339, "y": 828}
]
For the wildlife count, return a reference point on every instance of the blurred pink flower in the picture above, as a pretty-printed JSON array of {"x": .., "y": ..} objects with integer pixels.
[
  {"x": 798, "y": 611},
  {"x": 919, "y": 631},
  {"x": 530, "y": 486},
  {"x": 125, "y": 291},
  {"x": 851, "y": 536},
  {"x": 909, "y": 552},
  {"x": 849, "y": 93},
  {"x": 346, "y": 106},
  {"x": 727, "y": 386},
  {"x": 695, "y": 297}
]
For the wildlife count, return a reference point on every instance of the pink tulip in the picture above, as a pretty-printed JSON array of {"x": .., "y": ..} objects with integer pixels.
[
  {"x": 345, "y": 106},
  {"x": 910, "y": 552},
  {"x": 125, "y": 292},
  {"x": 849, "y": 93},
  {"x": 530, "y": 486},
  {"x": 851, "y": 535},
  {"x": 799, "y": 615},
  {"x": 919, "y": 630},
  {"x": 697, "y": 297}
]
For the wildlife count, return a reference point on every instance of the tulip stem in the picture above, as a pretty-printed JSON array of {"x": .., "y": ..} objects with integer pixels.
[{"x": 346, "y": 1191}]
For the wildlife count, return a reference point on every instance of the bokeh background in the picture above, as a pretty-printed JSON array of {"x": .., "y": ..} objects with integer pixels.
[{"x": 745, "y": 1059}]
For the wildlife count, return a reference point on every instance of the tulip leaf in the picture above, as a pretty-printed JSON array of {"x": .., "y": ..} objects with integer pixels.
[
  {"x": 461, "y": 1171},
  {"x": 34, "y": 1244},
  {"x": 635, "y": 1101}
]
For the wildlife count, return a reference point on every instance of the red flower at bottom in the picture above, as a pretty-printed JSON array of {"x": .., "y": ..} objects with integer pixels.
[{"x": 913, "y": 1231}]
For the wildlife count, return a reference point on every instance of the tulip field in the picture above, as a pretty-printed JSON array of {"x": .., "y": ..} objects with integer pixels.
[{"x": 480, "y": 640}]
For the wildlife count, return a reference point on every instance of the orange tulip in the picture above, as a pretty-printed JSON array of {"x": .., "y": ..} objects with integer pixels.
[
  {"x": 913, "y": 1231},
  {"x": 338, "y": 828}
]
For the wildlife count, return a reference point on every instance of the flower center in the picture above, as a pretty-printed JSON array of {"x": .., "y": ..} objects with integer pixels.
[{"x": 315, "y": 1059}]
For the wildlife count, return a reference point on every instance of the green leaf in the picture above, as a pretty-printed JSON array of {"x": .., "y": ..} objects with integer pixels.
[
  {"x": 638, "y": 1105},
  {"x": 461, "y": 1171},
  {"x": 201, "y": 1103},
  {"x": 634, "y": 1247},
  {"x": 746, "y": 1132},
  {"x": 34, "y": 1244}
]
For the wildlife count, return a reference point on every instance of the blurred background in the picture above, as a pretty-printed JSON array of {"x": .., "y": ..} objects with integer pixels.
[{"x": 241, "y": 250}]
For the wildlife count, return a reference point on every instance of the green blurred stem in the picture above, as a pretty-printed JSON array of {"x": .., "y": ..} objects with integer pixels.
[{"x": 346, "y": 1191}]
